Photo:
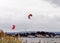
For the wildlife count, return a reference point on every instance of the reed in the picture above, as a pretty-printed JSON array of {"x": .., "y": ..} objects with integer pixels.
[{"x": 9, "y": 39}]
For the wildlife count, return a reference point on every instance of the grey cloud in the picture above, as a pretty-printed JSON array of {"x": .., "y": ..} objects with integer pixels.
[
  {"x": 41, "y": 20},
  {"x": 56, "y": 2}
]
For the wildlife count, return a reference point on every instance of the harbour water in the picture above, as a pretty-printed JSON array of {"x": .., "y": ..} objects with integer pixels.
[{"x": 41, "y": 40}]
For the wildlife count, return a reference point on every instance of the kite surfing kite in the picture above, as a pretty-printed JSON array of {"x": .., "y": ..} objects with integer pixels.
[
  {"x": 29, "y": 16},
  {"x": 13, "y": 27}
]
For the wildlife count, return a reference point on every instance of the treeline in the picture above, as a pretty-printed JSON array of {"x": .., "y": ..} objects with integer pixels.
[{"x": 33, "y": 34}]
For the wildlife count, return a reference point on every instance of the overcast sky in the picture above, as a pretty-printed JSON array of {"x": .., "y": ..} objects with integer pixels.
[{"x": 46, "y": 15}]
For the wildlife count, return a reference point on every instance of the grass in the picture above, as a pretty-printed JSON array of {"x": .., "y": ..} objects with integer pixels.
[{"x": 9, "y": 39}]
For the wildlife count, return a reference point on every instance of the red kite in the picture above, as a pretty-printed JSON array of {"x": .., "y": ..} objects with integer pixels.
[
  {"x": 13, "y": 27},
  {"x": 29, "y": 16}
]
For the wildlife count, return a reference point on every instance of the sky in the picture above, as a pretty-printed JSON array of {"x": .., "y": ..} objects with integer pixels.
[{"x": 46, "y": 15}]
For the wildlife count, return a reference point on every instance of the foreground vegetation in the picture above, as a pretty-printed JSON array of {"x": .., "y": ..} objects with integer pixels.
[{"x": 8, "y": 39}]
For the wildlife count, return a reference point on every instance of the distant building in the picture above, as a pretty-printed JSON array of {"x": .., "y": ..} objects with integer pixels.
[
  {"x": 31, "y": 36},
  {"x": 47, "y": 36},
  {"x": 57, "y": 36},
  {"x": 41, "y": 36}
]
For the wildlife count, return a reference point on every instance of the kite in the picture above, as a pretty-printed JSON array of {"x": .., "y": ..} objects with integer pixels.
[
  {"x": 13, "y": 27},
  {"x": 29, "y": 16}
]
